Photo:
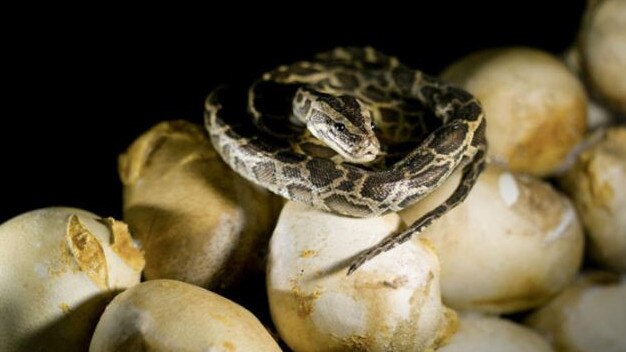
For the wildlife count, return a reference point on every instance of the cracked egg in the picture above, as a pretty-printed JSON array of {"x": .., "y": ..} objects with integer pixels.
[{"x": 58, "y": 268}]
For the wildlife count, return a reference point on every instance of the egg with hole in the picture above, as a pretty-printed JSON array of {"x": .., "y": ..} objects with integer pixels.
[
  {"x": 198, "y": 221},
  {"x": 58, "y": 269}
]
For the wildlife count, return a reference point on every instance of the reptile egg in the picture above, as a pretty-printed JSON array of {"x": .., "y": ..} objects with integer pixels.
[
  {"x": 603, "y": 50},
  {"x": 493, "y": 334},
  {"x": 168, "y": 315},
  {"x": 590, "y": 315},
  {"x": 391, "y": 303},
  {"x": 198, "y": 221},
  {"x": 511, "y": 245},
  {"x": 535, "y": 107},
  {"x": 58, "y": 269},
  {"x": 596, "y": 185}
]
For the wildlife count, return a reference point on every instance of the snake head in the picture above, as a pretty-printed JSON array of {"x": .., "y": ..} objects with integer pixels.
[{"x": 342, "y": 122}]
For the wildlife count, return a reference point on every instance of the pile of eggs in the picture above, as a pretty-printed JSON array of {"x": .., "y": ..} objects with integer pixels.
[{"x": 533, "y": 260}]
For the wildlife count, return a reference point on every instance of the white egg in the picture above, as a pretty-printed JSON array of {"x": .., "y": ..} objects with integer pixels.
[
  {"x": 603, "y": 50},
  {"x": 390, "y": 303},
  {"x": 511, "y": 245},
  {"x": 58, "y": 269},
  {"x": 493, "y": 334},
  {"x": 596, "y": 185},
  {"x": 588, "y": 316}
]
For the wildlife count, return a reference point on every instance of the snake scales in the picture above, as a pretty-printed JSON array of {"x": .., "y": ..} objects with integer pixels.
[{"x": 356, "y": 169}]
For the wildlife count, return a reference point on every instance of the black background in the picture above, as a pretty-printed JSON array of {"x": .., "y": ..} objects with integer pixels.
[{"x": 80, "y": 85}]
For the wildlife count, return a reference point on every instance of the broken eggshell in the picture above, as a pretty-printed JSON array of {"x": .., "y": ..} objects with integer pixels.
[
  {"x": 392, "y": 302},
  {"x": 197, "y": 220},
  {"x": 58, "y": 269}
]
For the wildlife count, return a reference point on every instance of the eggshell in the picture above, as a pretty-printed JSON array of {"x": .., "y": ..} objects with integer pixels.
[
  {"x": 168, "y": 315},
  {"x": 493, "y": 334},
  {"x": 58, "y": 269},
  {"x": 535, "y": 107},
  {"x": 198, "y": 221},
  {"x": 391, "y": 303},
  {"x": 511, "y": 245},
  {"x": 596, "y": 185},
  {"x": 603, "y": 51},
  {"x": 590, "y": 315}
]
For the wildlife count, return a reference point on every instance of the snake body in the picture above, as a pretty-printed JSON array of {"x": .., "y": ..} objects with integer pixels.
[{"x": 364, "y": 87}]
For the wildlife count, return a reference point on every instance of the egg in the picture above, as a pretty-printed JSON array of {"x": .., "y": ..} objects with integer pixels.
[
  {"x": 511, "y": 245},
  {"x": 590, "y": 315},
  {"x": 58, "y": 269},
  {"x": 197, "y": 220},
  {"x": 391, "y": 303},
  {"x": 596, "y": 185},
  {"x": 169, "y": 315},
  {"x": 602, "y": 43},
  {"x": 535, "y": 107},
  {"x": 494, "y": 334}
]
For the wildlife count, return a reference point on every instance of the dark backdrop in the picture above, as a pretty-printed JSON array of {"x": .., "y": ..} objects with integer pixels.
[{"x": 81, "y": 84}]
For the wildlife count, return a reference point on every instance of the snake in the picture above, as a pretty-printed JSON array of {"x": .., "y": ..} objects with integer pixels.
[{"x": 353, "y": 132}]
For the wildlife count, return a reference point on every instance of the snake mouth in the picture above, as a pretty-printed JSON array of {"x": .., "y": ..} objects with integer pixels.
[
  {"x": 362, "y": 155},
  {"x": 348, "y": 147}
]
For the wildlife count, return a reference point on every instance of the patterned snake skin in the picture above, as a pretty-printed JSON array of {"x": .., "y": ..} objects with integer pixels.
[{"x": 444, "y": 125}]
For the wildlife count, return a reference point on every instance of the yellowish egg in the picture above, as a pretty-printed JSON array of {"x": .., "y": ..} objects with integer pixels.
[
  {"x": 168, "y": 315},
  {"x": 535, "y": 107},
  {"x": 197, "y": 220}
]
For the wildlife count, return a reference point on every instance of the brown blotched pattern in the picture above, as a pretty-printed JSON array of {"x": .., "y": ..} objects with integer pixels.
[{"x": 387, "y": 88}]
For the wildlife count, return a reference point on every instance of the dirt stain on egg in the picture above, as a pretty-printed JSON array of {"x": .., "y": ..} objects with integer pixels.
[{"x": 308, "y": 253}]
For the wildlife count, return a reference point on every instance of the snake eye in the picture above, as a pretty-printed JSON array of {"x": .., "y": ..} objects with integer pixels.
[
  {"x": 373, "y": 125},
  {"x": 340, "y": 126}
]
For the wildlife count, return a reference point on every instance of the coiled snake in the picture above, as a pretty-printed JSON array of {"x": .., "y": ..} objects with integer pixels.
[{"x": 426, "y": 129}]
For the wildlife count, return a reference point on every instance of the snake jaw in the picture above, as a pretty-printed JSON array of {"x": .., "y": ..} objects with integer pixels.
[
  {"x": 362, "y": 154},
  {"x": 370, "y": 151}
]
